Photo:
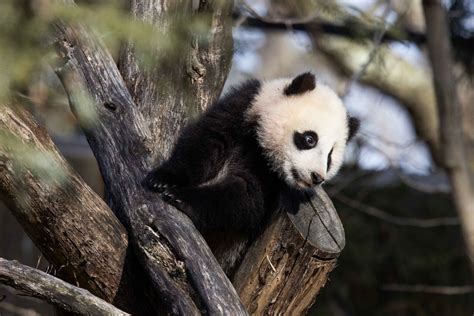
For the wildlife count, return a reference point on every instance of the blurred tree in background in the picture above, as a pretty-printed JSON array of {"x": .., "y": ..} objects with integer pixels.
[{"x": 405, "y": 196}]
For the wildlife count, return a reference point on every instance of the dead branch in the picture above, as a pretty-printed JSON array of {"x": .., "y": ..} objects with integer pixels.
[{"x": 46, "y": 287}]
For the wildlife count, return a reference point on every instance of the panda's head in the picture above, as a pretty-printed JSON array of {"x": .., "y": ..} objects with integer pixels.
[{"x": 303, "y": 128}]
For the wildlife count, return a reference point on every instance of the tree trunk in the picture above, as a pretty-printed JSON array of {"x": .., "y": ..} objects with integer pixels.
[{"x": 453, "y": 151}]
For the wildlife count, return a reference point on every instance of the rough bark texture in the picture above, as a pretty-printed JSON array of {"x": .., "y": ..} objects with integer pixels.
[
  {"x": 453, "y": 152},
  {"x": 165, "y": 94},
  {"x": 72, "y": 226},
  {"x": 41, "y": 285},
  {"x": 183, "y": 271},
  {"x": 284, "y": 270}
]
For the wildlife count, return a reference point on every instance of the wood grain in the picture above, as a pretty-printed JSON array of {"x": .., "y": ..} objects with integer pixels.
[{"x": 284, "y": 270}]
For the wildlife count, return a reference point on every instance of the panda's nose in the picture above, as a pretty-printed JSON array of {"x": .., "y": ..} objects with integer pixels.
[{"x": 317, "y": 179}]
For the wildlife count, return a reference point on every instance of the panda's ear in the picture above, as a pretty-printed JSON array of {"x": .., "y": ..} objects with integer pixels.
[
  {"x": 353, "y": 124},
  {"x": 301, "y": 84}
]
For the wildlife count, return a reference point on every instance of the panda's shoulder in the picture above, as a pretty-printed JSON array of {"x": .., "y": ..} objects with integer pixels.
[
  {"x": 228, "y": 114},
  {"x": 239, "y": 97}
]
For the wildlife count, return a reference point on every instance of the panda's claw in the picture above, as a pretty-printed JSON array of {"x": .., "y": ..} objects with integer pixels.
[
  {"x": 168, "y": 196},
  {"x": 160, "y": 187}
]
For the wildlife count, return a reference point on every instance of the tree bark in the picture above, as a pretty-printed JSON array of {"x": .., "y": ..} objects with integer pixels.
[
  {"x": 72, "y": 226},
  {"x": 286, "y": 267},
  {"x": 46, "y": 287},
  {"x": 166, "y": 94},
  {"x": 453, "y": 152}
]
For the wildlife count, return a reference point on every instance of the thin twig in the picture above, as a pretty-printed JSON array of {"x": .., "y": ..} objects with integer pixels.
[
  {"x": 431, "y": 289},
  {"x": 441, "y": 187},
  {"x": 378, "y": 36},
  {"x": 289, "y": 22},
  {"x": 397, "y": 220}
]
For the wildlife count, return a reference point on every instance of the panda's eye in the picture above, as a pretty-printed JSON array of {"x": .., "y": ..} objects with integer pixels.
[
  {"x": 310, "y": 141},
  {"x": 305, "y": 140}
]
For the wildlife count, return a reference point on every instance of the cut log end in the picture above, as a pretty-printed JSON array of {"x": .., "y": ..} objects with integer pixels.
[
  {"x": 319, "y": 224},
  {"x": 284, "y": 270}
]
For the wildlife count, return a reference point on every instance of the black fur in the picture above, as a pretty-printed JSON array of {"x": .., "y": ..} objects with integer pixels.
[
  {"x": 301, "y": 84},
  {"x": 354, "y": 124},
  {"x": 330, "y": 159},
  {"x": 222, "y": 139}
]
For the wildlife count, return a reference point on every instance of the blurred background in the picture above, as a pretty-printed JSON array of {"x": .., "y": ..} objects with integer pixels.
[{"x": 405, "y": 253}]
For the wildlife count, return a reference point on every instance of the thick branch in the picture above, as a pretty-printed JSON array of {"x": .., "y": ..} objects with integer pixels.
[
  {"x": 46, "y": 287},
  {"x": 68, "y": 222},
  {"x": 351, "y": 27},
  {"x": 181, "y": 266},
  {"x": 287, "y": 266},
  {"x": 454, "y": 156}
]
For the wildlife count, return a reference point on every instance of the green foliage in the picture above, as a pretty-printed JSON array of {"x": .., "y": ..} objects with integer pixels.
[
  {"x": 27, "y": 35},
  {"x": 42, "y": 164}
]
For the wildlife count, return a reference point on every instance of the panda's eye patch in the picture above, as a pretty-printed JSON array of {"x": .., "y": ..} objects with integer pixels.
[
  {"x": 330, "y": 159},
  {"x": 305, "y": 140}
]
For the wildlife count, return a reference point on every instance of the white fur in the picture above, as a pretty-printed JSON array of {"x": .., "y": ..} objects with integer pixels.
[{"x": 279, "y": 116}]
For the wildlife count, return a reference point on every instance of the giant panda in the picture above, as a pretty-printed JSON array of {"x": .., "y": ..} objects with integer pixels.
[{"x": 260, "y": 145}]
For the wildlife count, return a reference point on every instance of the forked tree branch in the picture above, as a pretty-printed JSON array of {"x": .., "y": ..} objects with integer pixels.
[{"x": 182, "y": 268}]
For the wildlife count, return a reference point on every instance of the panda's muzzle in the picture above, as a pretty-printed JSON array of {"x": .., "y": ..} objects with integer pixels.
[
  {"x": 302, "y": 182},
  {"x": 316, "y": 178}
]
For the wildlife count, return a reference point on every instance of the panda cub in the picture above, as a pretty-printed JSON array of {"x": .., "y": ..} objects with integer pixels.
[{"x": 231, "y": 169}]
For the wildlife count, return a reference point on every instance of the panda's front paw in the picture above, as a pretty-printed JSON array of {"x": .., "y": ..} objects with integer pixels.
[
  {"x": 167, "y": 194},
  {"x": 158, "y": 180}
]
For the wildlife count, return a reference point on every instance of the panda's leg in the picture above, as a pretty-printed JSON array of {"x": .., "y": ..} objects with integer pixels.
[{"x": 233, "y": 204}]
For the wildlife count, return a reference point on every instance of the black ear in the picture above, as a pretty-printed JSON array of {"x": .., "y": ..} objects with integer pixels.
[
  {"x": 354, "y": 124},
  {"x": 301, "y": 84}
]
